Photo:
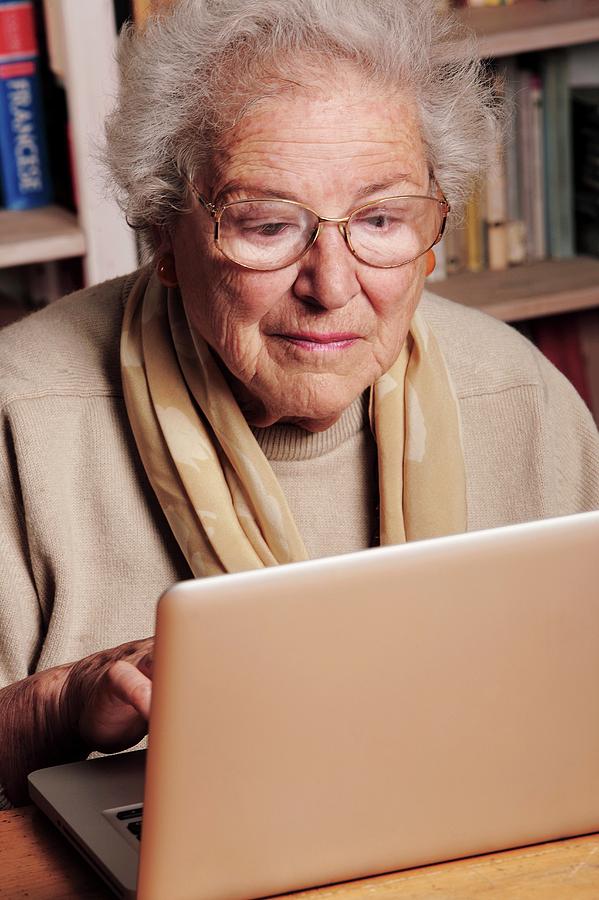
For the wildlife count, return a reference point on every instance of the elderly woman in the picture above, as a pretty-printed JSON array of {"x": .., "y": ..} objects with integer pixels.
[{"x": 274, "y": 384}]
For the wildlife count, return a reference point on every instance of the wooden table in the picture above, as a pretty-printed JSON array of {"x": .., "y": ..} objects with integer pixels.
[{"x": 37, "y": 864}]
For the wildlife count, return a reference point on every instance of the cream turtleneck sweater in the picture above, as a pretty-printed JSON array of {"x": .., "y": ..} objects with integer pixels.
[{"x": 339, "y": 462}]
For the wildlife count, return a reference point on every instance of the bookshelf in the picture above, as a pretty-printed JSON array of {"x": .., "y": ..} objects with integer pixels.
[
  {"x": 528, "y": 291},
  {"x": 39, "y": 235},
  {"x": 533, "y": 25},
  {"x": 81, "y": 40},
  {"x": 552, "y": 286}
]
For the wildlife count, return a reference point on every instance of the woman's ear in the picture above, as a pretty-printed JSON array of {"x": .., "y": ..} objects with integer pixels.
[
  {"x": 431, "y": 262},
  {"x": 164, "y": 258}
]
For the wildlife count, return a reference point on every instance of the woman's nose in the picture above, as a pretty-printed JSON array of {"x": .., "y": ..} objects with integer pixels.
[{"x": 327, "y": 273}]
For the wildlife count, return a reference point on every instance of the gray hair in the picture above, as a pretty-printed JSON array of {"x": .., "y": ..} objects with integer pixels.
[{"x": 191, "y": 73}]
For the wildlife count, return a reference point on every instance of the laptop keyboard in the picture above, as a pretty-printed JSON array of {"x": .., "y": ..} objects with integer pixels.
[
  {"x": 127, "y": 821},
  {"x": 132, "y": 818}
]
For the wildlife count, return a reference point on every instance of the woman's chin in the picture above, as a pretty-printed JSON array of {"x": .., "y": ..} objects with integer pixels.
[
  {"x": 314, "y": 407},
  {"x": 308, "y": 423}
]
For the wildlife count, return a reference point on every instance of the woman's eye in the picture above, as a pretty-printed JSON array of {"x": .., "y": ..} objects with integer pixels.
[
  {"x": 271, "y": 229},
  {"x": 379, "y": 221},
  {"x": 382, "y": 219},
  {"x": 374, "y": 223},
  {"x": 265, "y": 229}
]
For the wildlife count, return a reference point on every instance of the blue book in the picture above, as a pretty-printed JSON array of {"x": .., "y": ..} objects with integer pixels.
[{"x": 24, "y": 170}]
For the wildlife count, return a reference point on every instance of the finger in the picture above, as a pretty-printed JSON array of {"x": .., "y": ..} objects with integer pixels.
[
  {"x": 130, "y": 686},
  {"x": 146, "y": 665}
]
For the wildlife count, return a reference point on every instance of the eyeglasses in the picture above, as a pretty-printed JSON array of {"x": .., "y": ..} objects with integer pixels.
[{"x": 270, "y": 234}]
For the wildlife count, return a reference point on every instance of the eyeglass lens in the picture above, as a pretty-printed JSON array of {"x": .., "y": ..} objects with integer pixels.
[{"x": 269, "y": 234}]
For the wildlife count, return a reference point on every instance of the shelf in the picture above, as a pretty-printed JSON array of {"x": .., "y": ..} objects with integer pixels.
[
  {"x": 39, "y": 235},
  {"x": 524, "y": 292},
  {"x": 532, "y": 25}
]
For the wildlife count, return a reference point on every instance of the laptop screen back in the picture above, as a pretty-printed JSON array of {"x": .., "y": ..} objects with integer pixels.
[{"x": 349, "y": 716}]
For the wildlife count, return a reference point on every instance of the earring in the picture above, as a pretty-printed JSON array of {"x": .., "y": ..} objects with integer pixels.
[
  {"x": 431, "y": 262},
  {"x": 165, "y": 269}
]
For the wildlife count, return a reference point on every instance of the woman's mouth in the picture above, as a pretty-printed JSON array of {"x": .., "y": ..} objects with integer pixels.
[{"x": 320, "y": 342}]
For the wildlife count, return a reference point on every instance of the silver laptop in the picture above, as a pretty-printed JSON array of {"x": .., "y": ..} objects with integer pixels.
[{"x": 343, "y": 717}]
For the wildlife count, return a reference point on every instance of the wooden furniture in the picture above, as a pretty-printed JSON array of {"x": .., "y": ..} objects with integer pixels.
[
  {"x": 534, "y": 25},
  {"x": 39, "y": 235},
  {"x": 38, "y": 864},
  {"x": 523, "y": 292}
]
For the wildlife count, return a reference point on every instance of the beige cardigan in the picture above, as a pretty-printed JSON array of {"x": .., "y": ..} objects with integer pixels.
[{"x": 85, "y": 548}]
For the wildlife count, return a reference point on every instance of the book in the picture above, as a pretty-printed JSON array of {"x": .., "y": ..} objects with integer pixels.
[
  {"x": 475, "y": 253},
  {"x": 558, "y": 155},
  {"x": 456, "y": 252},
  {"x": 537, "y": 164},
  {"x": 585, "y": 111},
  {"x": 516, "y": 242},
  {"x": 52, "y": 67},
  {"x": 515, "y": 225},
  {"x": 508, "y": 73},
  {"x": 144, "y": 8},
  {"x": 24, "y": 168},
  {"x": 529, "y": 120},
  {"x": 524, "y": 141},
  {"x": 495, "y": 211},
  {"x": 123, "y": 12},
  {"x": 141, "y": 10}
]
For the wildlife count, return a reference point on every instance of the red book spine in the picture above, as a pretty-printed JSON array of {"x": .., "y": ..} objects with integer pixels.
[{"x": 17, "y": 31}]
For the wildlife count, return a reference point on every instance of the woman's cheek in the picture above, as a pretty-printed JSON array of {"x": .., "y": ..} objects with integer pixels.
[{"x": 393, "y": 293}]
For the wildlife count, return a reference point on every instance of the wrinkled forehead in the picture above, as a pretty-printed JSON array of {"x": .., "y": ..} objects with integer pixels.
[{"x": 335, "y": 125}]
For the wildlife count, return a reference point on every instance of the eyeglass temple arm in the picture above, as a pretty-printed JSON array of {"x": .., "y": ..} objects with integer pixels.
[
  {"x": 443, "y": 225},
  {"x": 208, "y": 206},
  {"x": 444, "y": 201}
]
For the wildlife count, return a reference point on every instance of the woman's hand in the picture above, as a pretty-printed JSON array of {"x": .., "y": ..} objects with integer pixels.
[
  {"x": 62, "y": 714},
  {"x": 106, "y": 696}
]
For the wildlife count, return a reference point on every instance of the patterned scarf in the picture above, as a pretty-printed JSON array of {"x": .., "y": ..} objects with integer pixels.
[{"x": 217, "y": 489}]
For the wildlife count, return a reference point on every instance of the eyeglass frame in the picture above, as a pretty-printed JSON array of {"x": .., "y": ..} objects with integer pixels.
[{"x": 216, "y": 213}]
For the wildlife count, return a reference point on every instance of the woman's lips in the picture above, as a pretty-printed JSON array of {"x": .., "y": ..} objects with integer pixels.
[{"x": 312, "y": 341}]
